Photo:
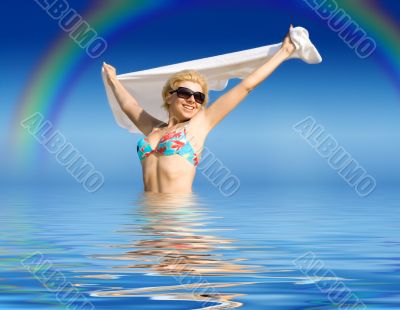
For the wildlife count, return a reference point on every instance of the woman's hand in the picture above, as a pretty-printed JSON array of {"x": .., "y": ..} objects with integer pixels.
[
  {"x": 111, "y": 73},
  {"x": 287, "y": 45}
]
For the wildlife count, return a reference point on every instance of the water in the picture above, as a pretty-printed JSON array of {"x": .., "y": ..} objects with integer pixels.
[{"x": 264, "y": 248}]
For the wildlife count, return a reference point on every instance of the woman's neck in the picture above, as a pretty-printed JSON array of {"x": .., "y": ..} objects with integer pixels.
[{"x": 173, "y": 121}]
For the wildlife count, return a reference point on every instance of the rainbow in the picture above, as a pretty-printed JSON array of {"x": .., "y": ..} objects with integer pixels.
[
  {"x": 55, "y": 74},
  {"x": 53, "y": 78},
  {"x": 383, "y": 28}
]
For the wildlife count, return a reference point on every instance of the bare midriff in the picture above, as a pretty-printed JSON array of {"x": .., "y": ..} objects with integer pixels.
[{"x": 168, "y": 174}]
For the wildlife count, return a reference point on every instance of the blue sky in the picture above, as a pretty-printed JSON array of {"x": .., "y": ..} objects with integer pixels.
[{"x": 353, "y": 98}]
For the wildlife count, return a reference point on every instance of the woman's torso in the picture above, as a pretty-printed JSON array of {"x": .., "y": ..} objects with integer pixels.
[{"x": 169, "y": 156}]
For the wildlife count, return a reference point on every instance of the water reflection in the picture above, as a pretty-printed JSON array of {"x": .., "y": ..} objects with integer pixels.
[{"x": 176, "y": 242}]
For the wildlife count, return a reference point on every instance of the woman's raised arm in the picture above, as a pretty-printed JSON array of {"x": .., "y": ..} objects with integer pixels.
[
  {"x": 143, "y": 120},
  {"x": 227, "y": 102}
]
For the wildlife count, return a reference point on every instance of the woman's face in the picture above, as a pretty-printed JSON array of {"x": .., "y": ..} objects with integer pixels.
[{"x": 184, "y": 108}]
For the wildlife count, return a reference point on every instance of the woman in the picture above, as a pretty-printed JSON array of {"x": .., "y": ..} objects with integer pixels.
[{"x": 171, "y": 151}]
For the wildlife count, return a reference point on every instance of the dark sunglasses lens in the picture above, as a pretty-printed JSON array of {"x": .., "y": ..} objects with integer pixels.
[
  {"x": 199, "y": 97},
  {"x": 183, "y": 93}
]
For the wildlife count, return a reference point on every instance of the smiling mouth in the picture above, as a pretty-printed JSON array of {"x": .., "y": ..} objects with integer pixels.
[{"x": 188, "y": 107}]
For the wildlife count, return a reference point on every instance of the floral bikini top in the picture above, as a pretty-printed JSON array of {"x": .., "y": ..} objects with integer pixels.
[{"x": 174, "y": 142}]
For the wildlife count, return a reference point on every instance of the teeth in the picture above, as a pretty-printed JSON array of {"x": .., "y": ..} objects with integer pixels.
[{"x": 188, "y": 107}]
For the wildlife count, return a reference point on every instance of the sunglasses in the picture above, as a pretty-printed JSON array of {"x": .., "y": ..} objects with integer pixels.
[{"x": 186, "y": 93}]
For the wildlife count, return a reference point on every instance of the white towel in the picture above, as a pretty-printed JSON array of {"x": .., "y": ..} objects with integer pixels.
[{"x": 146, "y": 85}]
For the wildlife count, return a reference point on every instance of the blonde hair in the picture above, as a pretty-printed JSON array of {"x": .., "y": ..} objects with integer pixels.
[{"x": 182, "y": 76}]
